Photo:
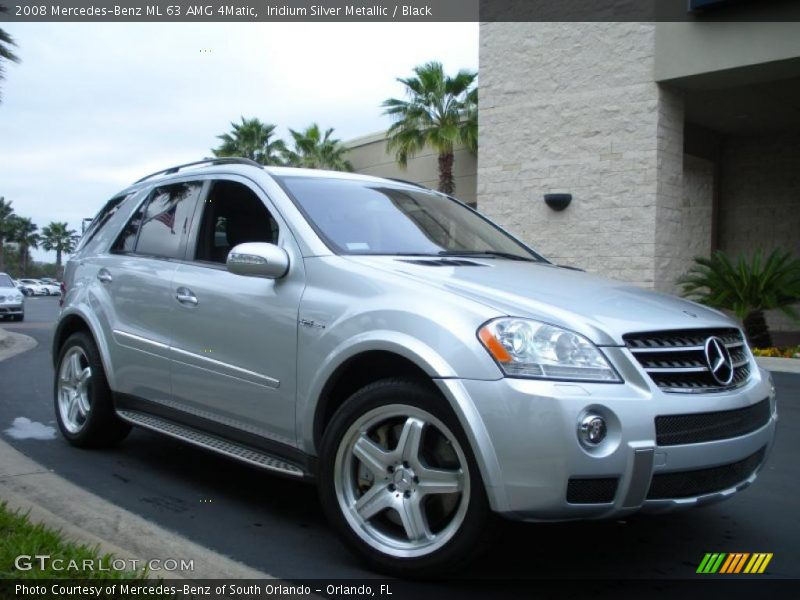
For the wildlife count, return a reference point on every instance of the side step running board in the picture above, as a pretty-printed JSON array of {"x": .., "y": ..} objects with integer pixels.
[{"x": 230, "y": 449}]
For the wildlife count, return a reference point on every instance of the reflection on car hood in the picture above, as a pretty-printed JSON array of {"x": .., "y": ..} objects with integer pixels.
[{"x": 601, "y": 309}]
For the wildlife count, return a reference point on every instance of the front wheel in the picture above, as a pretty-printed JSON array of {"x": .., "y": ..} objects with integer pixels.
[{"x": 399, "y": 482}]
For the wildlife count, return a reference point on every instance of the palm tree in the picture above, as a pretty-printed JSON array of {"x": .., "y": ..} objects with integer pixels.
[
  {"x": 6, "y": 41},
  {"x": 314, "y": 149},
  {"x": 59, "y": 238},
  {"x": 24, "y": 233},
  {"x": 6, "y": 220},
  {"x": 440, "y": 111},
  {"x": 254, "y": 140},
  {"x": 747, "y": 288}
]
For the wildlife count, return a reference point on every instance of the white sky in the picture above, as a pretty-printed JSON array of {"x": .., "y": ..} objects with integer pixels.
[{"x": 93, "y": 107}]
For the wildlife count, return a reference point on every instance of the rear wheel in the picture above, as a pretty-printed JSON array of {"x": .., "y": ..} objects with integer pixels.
[
  {"x": 83, "y": 403},
  {"x": 399, "y": 482}
]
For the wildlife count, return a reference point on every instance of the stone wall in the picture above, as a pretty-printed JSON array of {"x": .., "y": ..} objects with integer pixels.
[{"x": 575, "y": 109}]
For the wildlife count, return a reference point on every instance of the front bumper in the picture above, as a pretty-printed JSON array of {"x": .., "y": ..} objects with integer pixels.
[
  {"x": 7, "y": 310},
  {"x": 525, "y": 437}
]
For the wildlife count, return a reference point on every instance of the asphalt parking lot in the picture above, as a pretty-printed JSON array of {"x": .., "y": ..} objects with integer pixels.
[{"x": 276, "y": 525}]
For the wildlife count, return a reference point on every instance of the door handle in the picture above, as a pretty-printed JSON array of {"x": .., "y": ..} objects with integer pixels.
[
  {"x": 104, "y": 276},
  {"x": 186, "y": 296}
]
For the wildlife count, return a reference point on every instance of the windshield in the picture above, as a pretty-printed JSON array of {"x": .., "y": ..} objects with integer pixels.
[
  {"x": 5, "y": 281},
  {"x": 365, "y": 217}
]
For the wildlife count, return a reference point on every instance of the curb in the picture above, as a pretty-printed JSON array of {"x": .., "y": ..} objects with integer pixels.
[
  {"x": 85, "y": 518},
  {"x": 779, "y": 365}
]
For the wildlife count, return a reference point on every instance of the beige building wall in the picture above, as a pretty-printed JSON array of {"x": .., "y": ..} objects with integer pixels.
[
  {"x": 575, "y": 109},
  {"x": 368, "y": 155}
]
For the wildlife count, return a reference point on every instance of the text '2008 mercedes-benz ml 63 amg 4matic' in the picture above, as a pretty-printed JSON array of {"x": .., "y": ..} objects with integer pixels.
[{"x": 424, "y": 367}]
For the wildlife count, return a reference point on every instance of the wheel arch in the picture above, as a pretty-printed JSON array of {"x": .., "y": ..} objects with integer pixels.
[
  {"x": 74, "y": 321},
  {"x": 381, "y": 360}
]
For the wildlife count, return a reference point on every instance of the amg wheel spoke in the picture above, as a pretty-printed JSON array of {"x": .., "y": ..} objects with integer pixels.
[
  {"x": 85, "y": 374},
  {"x": 375, "y": 500},
  {"x": 74, "y": 367},
  {"x": 413, "y": 519},
  {"x": 410, "y": 440},
  {"x": 72, "y": 409},
  {"x": 371, "y": 456},
  {"x": 437, "y": 481}
]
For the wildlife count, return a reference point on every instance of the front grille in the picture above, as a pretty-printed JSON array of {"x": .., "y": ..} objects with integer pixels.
[
  {"x": 685, "y": 484},
  {"x": 676, "y": 361},
  {"x": 591, "y": 491},
  {"x": 710, "y": 426}
]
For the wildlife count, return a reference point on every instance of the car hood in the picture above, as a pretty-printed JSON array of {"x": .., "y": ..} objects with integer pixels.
[{"x": 601, "y": 309}]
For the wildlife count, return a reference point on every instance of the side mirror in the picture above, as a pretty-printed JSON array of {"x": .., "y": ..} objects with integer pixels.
[{"x": 258, "y": 259}]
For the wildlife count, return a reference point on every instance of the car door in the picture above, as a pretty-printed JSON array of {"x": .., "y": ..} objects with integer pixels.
[
  {"x": 132, "y": 289},
  {"x": 234, "y": 338}
]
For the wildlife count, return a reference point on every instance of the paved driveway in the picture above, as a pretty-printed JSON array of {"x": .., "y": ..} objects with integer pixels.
[{"x": 276, "y": 525}]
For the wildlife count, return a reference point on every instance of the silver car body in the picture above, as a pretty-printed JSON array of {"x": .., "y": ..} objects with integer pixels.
[{"x": 256, "y": 355}]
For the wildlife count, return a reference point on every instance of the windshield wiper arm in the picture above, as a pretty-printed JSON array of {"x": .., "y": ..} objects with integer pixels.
[{"x": 497, "y": 253}]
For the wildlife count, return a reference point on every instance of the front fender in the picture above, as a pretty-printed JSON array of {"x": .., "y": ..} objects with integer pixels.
[{"x": 66, "y": 320}]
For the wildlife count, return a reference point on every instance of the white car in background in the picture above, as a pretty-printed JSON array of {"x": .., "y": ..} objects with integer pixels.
[
  {"x": 36, "y": 286},
  {"x": 52, "y": 288},
  {"x": 12, "y": 302}
]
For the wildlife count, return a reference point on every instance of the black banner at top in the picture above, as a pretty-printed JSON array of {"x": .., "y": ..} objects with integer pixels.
[{"x": 398, "y": 10}]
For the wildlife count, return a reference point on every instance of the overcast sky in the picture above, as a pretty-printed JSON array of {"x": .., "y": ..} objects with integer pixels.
[{"x": 92, "y": 107}]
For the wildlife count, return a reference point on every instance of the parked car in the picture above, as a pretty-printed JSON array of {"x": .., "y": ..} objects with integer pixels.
[
  {"x": 426, "y": 368},
  {"x": 37, "y": 287},
  {"x": 26, "y": 291},
  {"x": 12, "y": 301},
  {"x": 52, "y": 289}
]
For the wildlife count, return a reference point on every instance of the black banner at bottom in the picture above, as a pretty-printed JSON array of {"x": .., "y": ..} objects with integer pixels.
[{"x": 392, "y": 589}]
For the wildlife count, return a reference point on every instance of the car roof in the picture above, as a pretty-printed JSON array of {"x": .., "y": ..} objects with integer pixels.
[{"x": 247, "y": 167}]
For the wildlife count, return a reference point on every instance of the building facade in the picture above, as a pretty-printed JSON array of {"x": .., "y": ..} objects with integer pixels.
[{"x": 674, "y": 139}]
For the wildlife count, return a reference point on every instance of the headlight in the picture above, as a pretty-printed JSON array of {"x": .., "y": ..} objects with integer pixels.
[
  {"x": 526, "y": 348},
  {"x": 18, "y": 298}
]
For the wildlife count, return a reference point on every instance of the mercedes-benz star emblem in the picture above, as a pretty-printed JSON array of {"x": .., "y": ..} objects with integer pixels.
[{"x": 719, "y": 361}]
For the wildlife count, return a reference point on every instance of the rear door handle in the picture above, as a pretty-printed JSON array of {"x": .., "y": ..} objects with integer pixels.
[
  {"x": 104, "y": 276},
  {"x": 186, "y": 296}
]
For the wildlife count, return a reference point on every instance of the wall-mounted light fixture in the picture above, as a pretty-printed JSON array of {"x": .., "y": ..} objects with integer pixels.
[{"x": 558, "y": 201}]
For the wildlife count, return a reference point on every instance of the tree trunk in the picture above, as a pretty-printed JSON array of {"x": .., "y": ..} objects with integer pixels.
[
  {"x": 446, "y": 183},
  {"x": 59, "y": 272},
  {"x": 23, "y": 260},
  {"x": 2, "y": 255},
  {"x": 755, "y": 327}
]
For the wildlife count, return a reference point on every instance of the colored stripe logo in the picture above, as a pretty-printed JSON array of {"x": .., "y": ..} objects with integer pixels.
[{"x": 734, "y": 562}]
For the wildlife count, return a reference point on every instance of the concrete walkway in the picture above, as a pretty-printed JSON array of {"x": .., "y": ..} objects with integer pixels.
[{"x": 780, "y": 365}]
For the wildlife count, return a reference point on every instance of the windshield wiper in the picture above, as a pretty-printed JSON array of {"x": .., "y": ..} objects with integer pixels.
[{"x": 496, "y": 253}]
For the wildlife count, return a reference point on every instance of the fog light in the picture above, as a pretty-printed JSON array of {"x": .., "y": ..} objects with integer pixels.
[{"x": 593, "y": 429}]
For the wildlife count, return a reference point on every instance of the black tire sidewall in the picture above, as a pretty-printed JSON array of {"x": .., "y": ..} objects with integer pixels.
[{"x": 475, "y": 533}]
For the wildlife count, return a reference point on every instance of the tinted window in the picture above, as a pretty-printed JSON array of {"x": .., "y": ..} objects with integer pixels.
[
  {"x": 364, "y": 217},
  {"x": 232, "y": 214},
  {"x": 5, "y": 281},
  {"x": 102, "y": 218},
  {"x": 126, "y": 240},
  {"x": 166, "y": 219}
]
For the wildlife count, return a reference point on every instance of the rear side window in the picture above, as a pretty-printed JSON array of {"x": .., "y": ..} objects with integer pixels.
[
  {"x": 159, "y": 227},
  {"x": 103, "y": 217}
]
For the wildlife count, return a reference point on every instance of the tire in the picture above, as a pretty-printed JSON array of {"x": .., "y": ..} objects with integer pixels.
[
  {"x": 445, "y": 530},
  {"x": 83, "y": 402},
  {"x": 19, "y": 317}
]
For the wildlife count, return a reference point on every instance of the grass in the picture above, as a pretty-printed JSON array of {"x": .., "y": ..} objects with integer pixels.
[{"x": 18, "y": 536}]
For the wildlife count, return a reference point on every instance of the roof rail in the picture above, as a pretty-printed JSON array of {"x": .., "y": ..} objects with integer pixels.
[
  {"x": 233, "y": 160},
  {"x": 407, "y": 182}
]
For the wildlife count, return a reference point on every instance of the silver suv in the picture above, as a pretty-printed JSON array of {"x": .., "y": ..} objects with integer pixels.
[{"x": 428, "y": 370}]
